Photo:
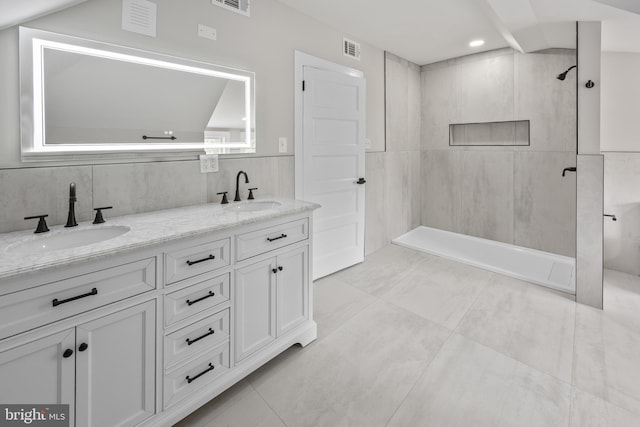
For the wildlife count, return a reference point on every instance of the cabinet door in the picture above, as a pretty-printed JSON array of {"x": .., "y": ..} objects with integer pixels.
[
  {"x": 292, "y": 289},
  {"x": 115, "y": 377},
  {"x": 255, "y": 300},
  {"x": 38, "y": 372}
]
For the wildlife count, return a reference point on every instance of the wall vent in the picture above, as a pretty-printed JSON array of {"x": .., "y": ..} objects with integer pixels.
[
  {"x": 240, "y": 6},
  {"x": 351, "y": 48},
  {"x": 139, "y": 16}
]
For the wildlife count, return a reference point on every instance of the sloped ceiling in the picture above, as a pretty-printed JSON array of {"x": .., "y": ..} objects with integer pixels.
[
  {"x": 427, "y": 31},
  {"x": 13, "y": 12}
]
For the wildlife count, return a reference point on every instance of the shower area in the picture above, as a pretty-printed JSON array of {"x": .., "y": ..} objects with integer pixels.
[{"x": 498, "y": 157}]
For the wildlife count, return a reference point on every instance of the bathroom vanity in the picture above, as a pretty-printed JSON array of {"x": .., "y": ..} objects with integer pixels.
[{"x": 145, "y": 327}]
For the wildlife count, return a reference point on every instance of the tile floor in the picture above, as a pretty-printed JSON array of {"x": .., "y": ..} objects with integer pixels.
[{"x": 409, "y": 339}]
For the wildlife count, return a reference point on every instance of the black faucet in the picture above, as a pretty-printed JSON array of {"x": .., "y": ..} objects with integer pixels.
[
  {"x": 71, "y": 218},
  {"x": 246, "y": 181}
]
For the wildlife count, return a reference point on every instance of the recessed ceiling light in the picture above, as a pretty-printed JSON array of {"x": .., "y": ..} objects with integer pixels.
[{"x": 476, "y": 43}]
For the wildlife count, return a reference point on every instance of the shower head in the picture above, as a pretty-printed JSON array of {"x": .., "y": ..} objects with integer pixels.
[{"x": 563, "y": 75}]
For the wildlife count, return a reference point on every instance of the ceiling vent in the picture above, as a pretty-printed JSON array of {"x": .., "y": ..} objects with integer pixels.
[
  {"x": 239, "y": 6},
  {"x": 351, "y": 49}
]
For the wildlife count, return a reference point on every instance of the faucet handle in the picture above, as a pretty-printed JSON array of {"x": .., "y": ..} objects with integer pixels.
[
  {"x": 224, "y": 198},
  {"x": 42, "y": 224},
  {"x": 251, "y": 193},
  {"x": 99, "y": 218}
]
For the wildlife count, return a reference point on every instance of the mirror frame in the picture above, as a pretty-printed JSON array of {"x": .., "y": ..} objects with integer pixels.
[{"x": 33, "y": 42}]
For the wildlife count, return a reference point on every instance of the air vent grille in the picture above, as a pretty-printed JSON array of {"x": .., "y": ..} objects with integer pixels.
[
  {"x": 351, "y": 49},
  {"x": 239, "y": 6}
]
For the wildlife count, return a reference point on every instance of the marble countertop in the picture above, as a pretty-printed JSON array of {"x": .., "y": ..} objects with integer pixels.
[{"x": 146, "y": 229}]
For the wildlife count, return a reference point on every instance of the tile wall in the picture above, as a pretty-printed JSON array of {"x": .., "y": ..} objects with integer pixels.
[
  {"x": 132, "y": 187},
  {"x": 510, "y": 194}
]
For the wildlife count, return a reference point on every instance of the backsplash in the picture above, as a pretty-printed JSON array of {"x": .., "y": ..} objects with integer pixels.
[{"x": 132, "y": 187}]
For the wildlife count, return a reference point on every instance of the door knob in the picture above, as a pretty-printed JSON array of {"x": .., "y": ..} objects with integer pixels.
[{"x": 361, "y": 181}]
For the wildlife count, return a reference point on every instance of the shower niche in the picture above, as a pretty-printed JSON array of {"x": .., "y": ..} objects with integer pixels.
[{"x": 505, "y": 133}]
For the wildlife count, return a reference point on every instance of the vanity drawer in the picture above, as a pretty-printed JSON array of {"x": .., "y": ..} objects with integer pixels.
[
  {"x": 182, "y": 381},
  {"x": 267, "y": 239},
  {"x": 48, "y": 303},
  {"x": 191, "y": 261},
  {"x": 196, "y": 338},
  {"x": 195, "y": 299}
]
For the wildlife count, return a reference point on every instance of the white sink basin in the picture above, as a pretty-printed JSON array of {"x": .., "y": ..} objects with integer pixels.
[
  {"x": 251, "y": 206},
  {"x": 67, "y": 239}
]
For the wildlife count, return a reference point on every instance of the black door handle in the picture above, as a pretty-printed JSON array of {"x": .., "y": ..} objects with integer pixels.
[
  {"x": 361, "y": 181},
  {"x": 67, "y": 353},
  {"x": 83, "y": 346}
]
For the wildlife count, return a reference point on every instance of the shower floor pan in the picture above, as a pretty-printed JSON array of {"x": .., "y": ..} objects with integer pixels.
[{"x": 542, "y": 268}]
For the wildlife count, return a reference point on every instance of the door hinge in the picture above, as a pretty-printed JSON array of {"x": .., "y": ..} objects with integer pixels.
[{"x": 303, "y": 85}]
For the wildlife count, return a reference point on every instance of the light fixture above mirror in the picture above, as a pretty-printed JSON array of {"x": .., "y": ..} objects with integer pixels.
[{"x": 83, "y": 98}]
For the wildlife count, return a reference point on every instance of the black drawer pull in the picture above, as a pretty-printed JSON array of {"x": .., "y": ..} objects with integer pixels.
[
  {"x": 209, "y": 369},
  {"x": 209, "y": 295},
  {"x": 211, "y": 332},
  {"x": 282, "y": 236},
  {"x": 67, "y": 353},
  {"x": 201, "y": 260},
  {"x": 83, "y": 346},
  {"x": 56, "y": 302}
]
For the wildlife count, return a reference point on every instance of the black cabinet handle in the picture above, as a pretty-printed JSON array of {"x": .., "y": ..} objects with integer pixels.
[
  {"x": 211, "y": 332},
  {"x": 209, "y": 295},
  {"x": 201, "y": 260},
  {"x": 56, "y": 302},
  {"x": 280, "y": 268},
  {"x": 361, "y": 181},
  {"x": 282, "y": 236},
  {"x": 67, "y": 353},
  {"x": 83, "y": 346},
  {"x": 274, "y": 270},
  {"x": 209, "y": 369}
]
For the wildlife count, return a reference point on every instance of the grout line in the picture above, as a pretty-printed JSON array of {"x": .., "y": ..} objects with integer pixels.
[
  {"x": 267, "y": 403},
  {"x": 422, "y": 374}
]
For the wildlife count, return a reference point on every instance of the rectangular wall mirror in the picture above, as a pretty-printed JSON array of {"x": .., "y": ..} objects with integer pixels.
[{"x": 83, "y": 98}]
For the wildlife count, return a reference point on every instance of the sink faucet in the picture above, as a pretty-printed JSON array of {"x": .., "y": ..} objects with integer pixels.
[
  {"x": 246, "y": 181},
  {"x": 71, "y": 218}
]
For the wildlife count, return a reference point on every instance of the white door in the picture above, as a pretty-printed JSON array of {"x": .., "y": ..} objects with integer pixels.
[
  {"x": 115, "y": 368},
  {"x": 333, "y": 166}
]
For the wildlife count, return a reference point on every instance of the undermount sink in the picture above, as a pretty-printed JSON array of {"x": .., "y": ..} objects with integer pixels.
[
  {"x": 251, "y": 206},
  {"x": 67, "y": 239}
]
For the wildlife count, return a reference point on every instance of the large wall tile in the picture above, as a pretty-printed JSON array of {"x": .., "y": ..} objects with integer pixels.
[
  {"x": 375, "y": 233},
  {"x": 487, "y": 89},
  {"x": 440, "y": 194},
  {"x": 143, "y": 187},
  {"x": 441, "y": 106},
  {"x": 622, "y": 199},
  {"x": 589, "y": 233},
  {"x": 38, "y": 191},
  {"x": 549, "y": 103},
  {"x": 545, "y": 202},
  {"x": 415, "y": 104},
  {"x": 396, "y": 105},
  {"x": 403, "y": 191},
  {"x": 263, "y": 173},
  {"x": 485, "y": 189}
]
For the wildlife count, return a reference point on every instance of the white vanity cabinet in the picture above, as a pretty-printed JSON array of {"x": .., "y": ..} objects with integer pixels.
[
  {"x": 146, "y": 335},
  {"x": 104, "y": 369},
  {"x": 271, "y": 298}
]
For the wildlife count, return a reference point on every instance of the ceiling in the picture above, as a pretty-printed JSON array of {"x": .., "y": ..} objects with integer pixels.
[
  {"x": 14, "y": 12},
  {"x": 427, "y": 31}
]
